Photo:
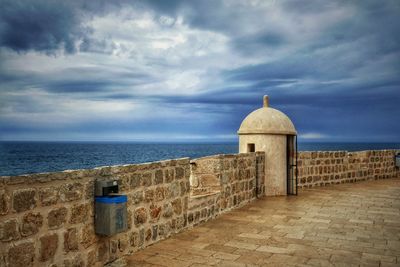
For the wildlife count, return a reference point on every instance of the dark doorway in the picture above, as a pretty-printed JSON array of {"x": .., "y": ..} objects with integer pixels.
[
  {"x": 291, "y": 165},
  {"x": 251, "y": 148}
]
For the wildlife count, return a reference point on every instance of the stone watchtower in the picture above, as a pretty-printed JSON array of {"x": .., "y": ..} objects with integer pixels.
[{"x": 271, "y": 131}]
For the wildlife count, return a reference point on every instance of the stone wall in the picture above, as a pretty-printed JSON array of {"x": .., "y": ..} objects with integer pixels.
[
  {"x": 319, "y": 168},
  {"x": 48, "y": 219},
  {"x": 222, "y": 182}
]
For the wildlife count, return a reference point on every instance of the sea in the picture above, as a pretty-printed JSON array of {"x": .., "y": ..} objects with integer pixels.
[{"x": 18, "y": 158}]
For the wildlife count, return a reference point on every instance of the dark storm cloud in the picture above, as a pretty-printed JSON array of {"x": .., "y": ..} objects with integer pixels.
[
  {"x": 38, "y": 25},
  {"x": 332, "y": 66}
]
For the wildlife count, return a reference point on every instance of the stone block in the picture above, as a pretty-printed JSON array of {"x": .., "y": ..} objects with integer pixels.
[
  {"x": 155, "y": 212},
  {"x": 168, "y": 211},
  {"x": 24, "y": 199},
  {"x": 71, "y": 191},
  {"x": 177, "y": 206},
  {"x": 31, "y": 223},
  {"x": 169, "y": 175},
  {"x": 159, "y": 194},
  {"x": 76, "y": 261},
  {"x": 48, "y": 196},
  {"x": 149, "y": 195},
  {"x": 71, "y": 240},
  {"x": 21, "y": 255},
  {"x": 88, "y": 236},
  {"x": 48, "y": 246},
  {"x": 136, "y": 180},
  {"x": 57, "y": 217},
  {"x": 134, "y": 239},
  {"x": 146, "y": 179},
  {"x": 174, "y": 190},
  {"x": 159, "y": 177},
  {"x": 140, "y": 216},
  {"x": 179, "y": 173},
  {"x": 9, "y": 230},
  {"x": 137, "y": 197},
  {"x": 79, "y": 213},
  {"x": 4, "y": 202}
]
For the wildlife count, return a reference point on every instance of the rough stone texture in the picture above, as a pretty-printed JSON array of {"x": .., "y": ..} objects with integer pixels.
[
  {"x": 4, "y": 202},
  {"x": 21, "y": 255},
  {"x": 48, "y": 196},
  {"x": 57, "y": 217},
  {"x": 24, "y": 199},
  {"x": 71, "y": 191},
  {"x": 140, "y": 216},
  {"x": 9, "y": 230},
  {"x": 319, "y": 168},
  {"x": 238, "y": 178},
  {"x": 48, "y": 246},
  {"x": 343, "y": 225},
  {"x": 79, "y": 213},
  {"x": 88, "y": 236},
  {"x": 71, "y": 240},
  {"x": 31, "y": 223},
  {"x": 230, "y": 181}
]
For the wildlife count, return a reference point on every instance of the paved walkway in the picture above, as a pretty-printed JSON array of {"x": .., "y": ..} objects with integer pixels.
[{"x": 342, "y": 225}]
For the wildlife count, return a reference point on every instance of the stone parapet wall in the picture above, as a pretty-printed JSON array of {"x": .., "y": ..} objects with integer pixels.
[
  {"x": 319, "y": 168},
  {"x": 222, "y": 182},
  {"x": 48, "y": 219}
]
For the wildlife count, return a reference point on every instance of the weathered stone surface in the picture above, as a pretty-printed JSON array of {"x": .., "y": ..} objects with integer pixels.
[
  {"x": 140, "y": 216},
  {"x": 137, "y": 197},
  {"x": 48, "y": 196},
  {"x": 4, "y": 202},
  {"x": 154, "y": 232},
  {"x": 79, "y": 213},
  {"x": 136, "y": 180},
  {"x": 31, "y": 223},
  {"x": 74, "y": 262},
  {"x": 103, "y": 252},
  {"x": 70, "y": 240},
  {"x": 9, "y": 230},
  {"x": 88, "y": 236},
  {"x": 91, "y": 258},
  {"x": 168, "y": 210},
  {"x": 148, "y": 234},
  {"x": 89, "y": 190},
  {"x": 169, "y": 175},
  {"x": 71, "y": 191},
  {"x": 177, "y": 206},
  {"x": 134, "y": 239},
  {"x": 21, "y": 255},
  {"x": 24, "y": 199},
  {"x": 155, "y": 212},
  {"x": 158, "y": 177},
  {"x": 57, "y": 217},
  {"x": 179, "y": 173},
  {"x": 159, "y": 194},
  {"x": 48, "y": 246},
  {"x": 174, "y": 190},
  {"x": 149, "y": 195},
  {"x": 146, "y": 179}
]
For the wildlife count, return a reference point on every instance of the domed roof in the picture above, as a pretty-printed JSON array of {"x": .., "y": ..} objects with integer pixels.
[{"x": 267, "y": 120}]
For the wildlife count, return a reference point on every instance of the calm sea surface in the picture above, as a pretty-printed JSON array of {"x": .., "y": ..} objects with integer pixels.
[{"x": 33, "y": 157}]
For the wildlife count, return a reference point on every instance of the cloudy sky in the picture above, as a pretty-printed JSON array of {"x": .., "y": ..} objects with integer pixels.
[{"x": 192, "y": 70}]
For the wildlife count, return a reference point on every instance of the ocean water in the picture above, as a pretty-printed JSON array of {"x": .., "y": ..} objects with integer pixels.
[{"x": 34, "y": 157}]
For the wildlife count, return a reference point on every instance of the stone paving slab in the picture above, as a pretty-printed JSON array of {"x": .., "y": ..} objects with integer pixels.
[{"x": 342, "y": 225}]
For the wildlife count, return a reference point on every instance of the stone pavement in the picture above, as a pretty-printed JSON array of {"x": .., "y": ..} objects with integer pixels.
[{"x": 342, "y": 225}]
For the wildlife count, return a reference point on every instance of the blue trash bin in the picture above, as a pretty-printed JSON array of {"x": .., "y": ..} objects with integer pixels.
[{"x": 111, "y": 214}]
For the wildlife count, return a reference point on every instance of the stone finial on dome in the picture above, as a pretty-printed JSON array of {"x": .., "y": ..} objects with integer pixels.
[{"x": 266, "y": 101}]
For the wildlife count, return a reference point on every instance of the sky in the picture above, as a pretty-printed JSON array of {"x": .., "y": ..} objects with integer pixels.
[{"x": 191, "y": 71}]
